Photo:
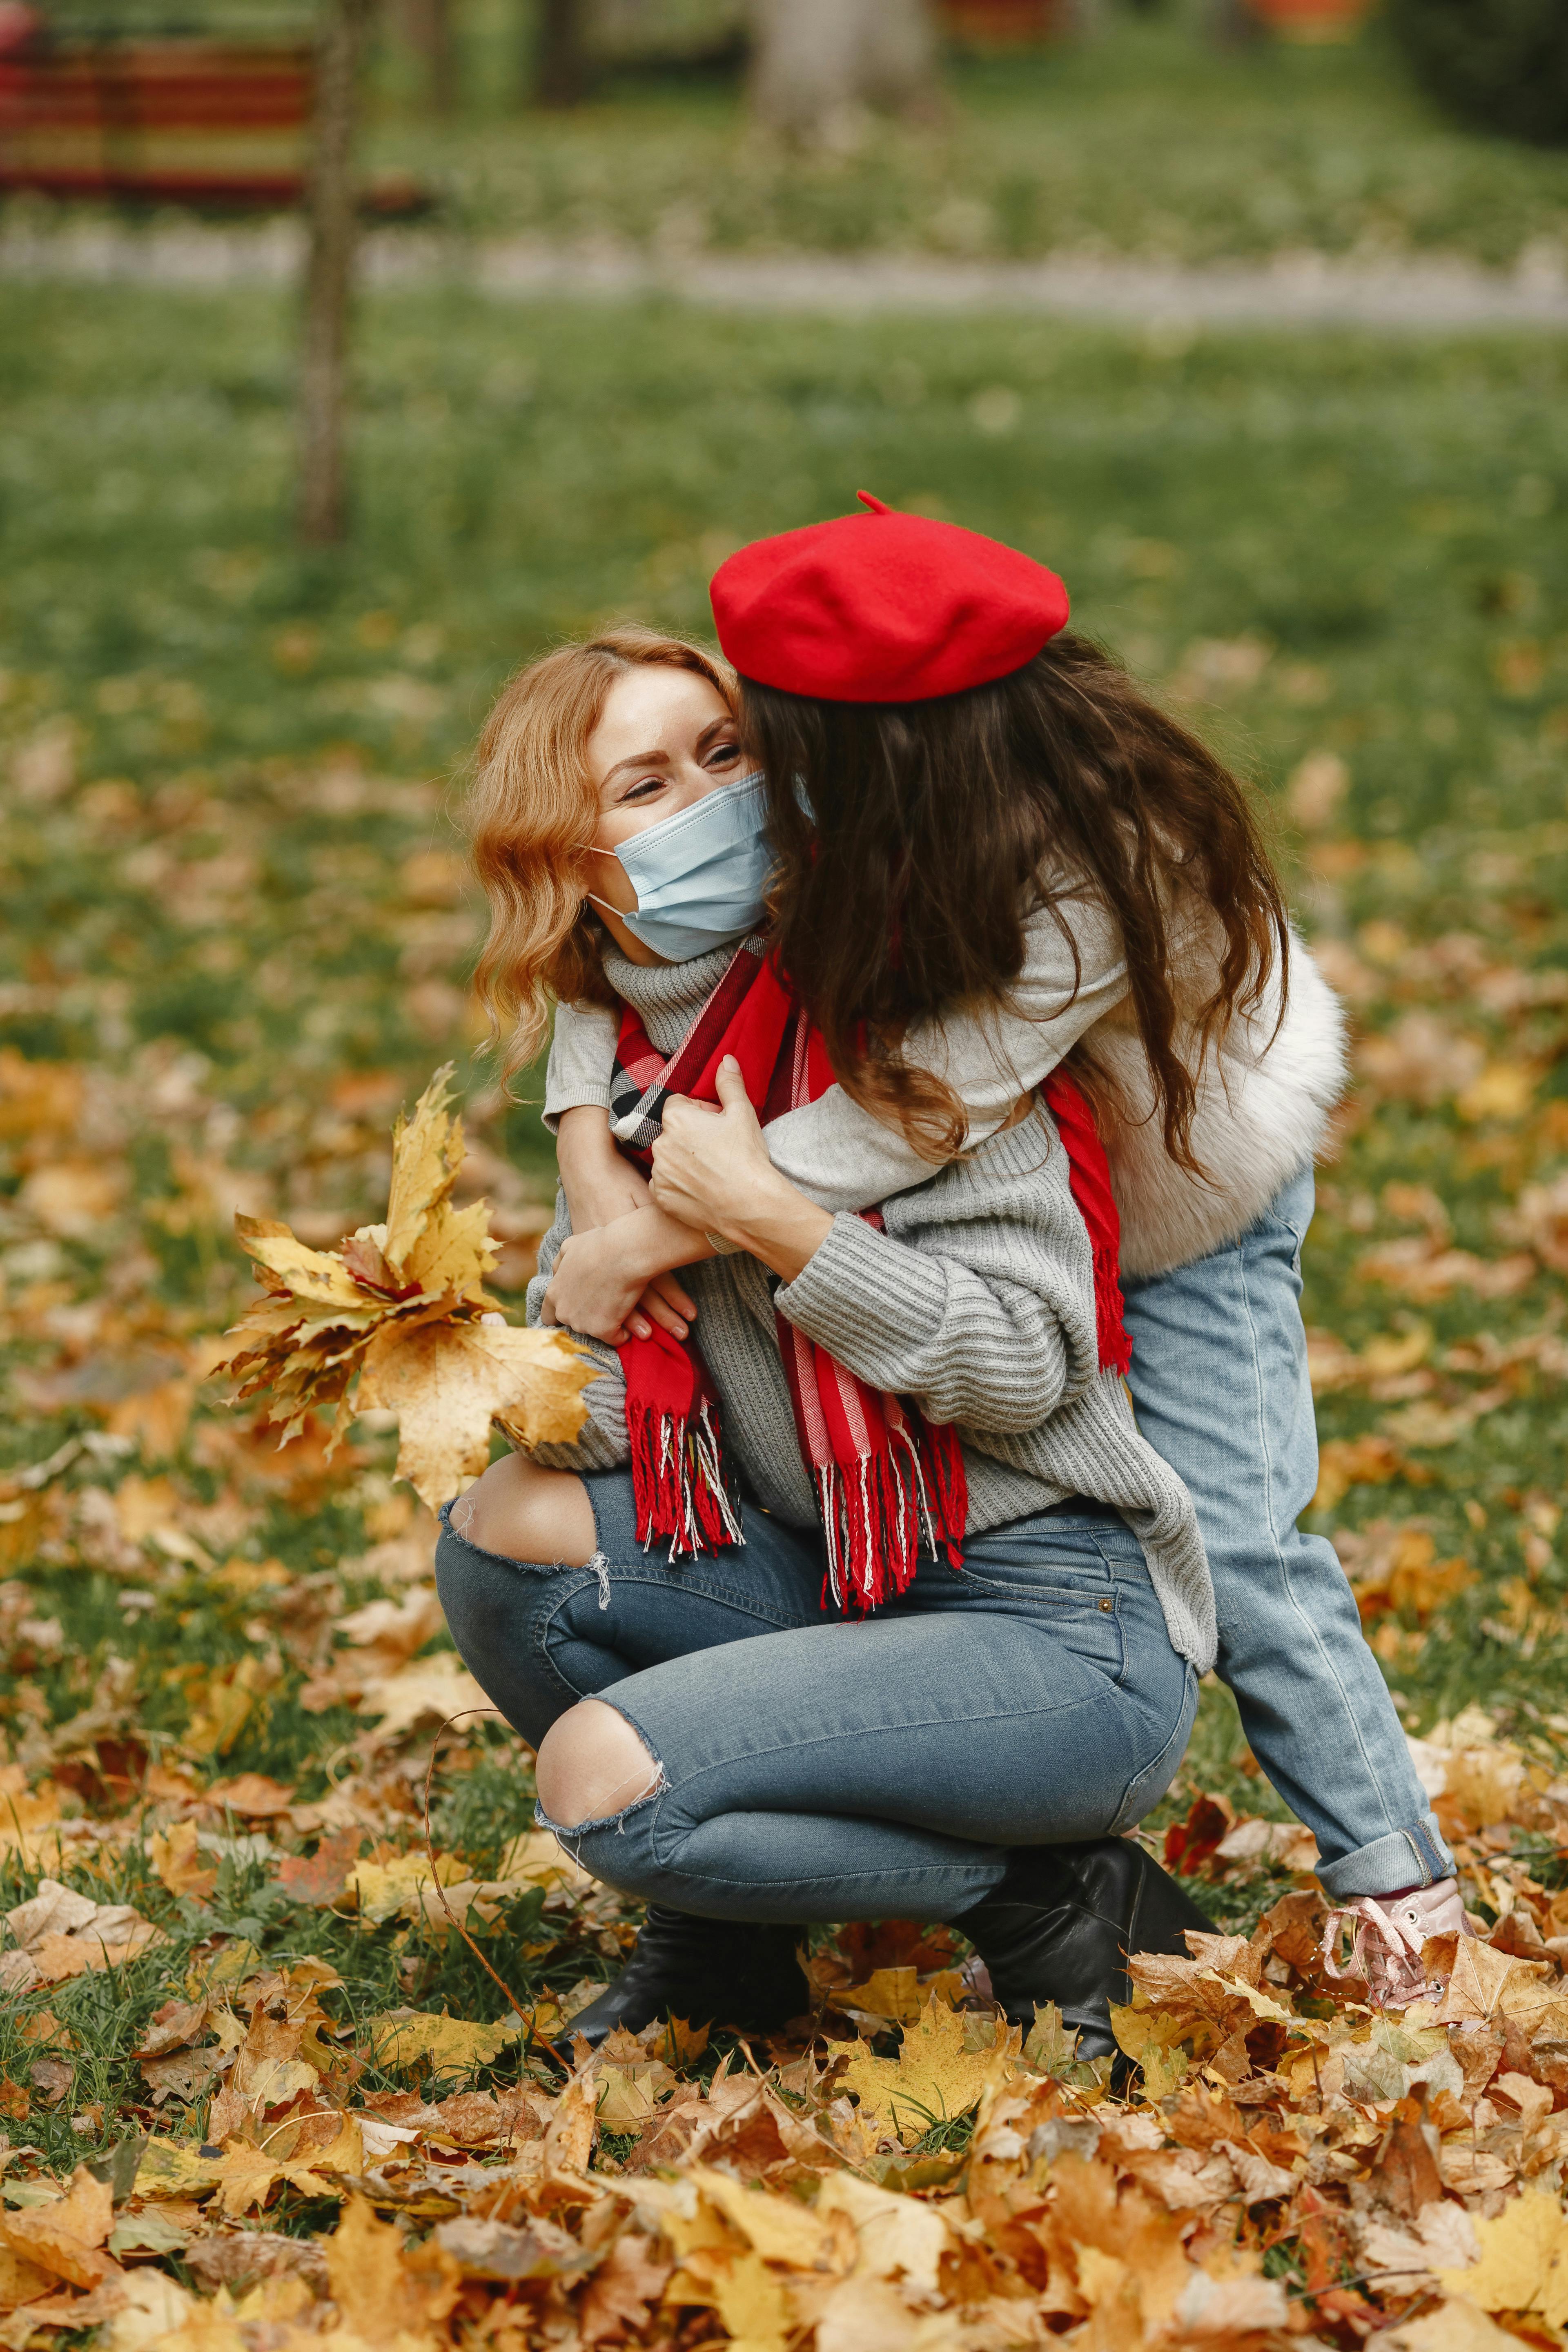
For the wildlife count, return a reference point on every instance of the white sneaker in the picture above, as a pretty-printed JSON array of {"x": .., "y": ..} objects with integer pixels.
[{"x": 1386, "y": 1935}]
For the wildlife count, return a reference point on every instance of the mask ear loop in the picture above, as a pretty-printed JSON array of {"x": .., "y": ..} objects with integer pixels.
[{"x": 593, "y": 897}]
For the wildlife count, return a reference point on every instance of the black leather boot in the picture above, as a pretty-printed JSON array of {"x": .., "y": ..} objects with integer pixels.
[
  {"x": 1061, "y": 1923},
  {"x": 708, "y": 1971}
]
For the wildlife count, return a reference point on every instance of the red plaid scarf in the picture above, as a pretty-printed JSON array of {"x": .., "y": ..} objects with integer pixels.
[{"x": 888, "y": 1483}]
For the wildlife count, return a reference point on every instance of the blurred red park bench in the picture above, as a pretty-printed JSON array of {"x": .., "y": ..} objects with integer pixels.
[{"x": 174, "y": 118}]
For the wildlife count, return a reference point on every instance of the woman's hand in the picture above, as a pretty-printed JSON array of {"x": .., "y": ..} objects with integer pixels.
[
  {"x": 600, "y": 1285},
  {"x": 711, "y": 1170},
  {"x": 710, "y": 1164}
]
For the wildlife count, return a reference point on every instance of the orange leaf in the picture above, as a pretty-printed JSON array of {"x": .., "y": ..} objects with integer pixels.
[{"x": 66, "y": 2237}]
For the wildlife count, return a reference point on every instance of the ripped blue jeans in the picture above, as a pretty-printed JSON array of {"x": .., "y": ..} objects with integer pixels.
[{"x": 810, "y": 1768}]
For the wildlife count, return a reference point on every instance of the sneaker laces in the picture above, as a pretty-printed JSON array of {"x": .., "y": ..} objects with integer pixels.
[{"x": 1386, "y": 1940}]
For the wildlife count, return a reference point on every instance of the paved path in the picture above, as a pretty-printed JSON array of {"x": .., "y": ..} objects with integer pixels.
[{"x": 1304, "y": 289}]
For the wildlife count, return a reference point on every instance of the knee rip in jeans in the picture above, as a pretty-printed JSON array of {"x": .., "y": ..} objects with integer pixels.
[
  {"x": 568, "y": 1831},
  {"x": 460, "y": 1519},
  {"x": 640, "y": 1787}
]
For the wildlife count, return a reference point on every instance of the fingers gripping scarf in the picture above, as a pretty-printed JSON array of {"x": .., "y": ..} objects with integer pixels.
[{"x": 888, "y": 1483}]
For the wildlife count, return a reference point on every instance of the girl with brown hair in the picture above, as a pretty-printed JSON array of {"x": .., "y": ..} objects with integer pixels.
[{"x": 1038, "y": 846}]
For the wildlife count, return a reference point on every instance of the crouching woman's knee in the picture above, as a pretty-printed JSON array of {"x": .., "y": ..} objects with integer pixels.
[
  {"x": 520, "y": 1511},
  {"x": 593, "y": 1766},
  {"x": 495, "y": 1597}
]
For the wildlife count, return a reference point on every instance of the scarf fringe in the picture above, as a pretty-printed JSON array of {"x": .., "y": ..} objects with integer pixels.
[
  {"x": 677, "y": 1478},
  {"x": 881, "y": 1511}
]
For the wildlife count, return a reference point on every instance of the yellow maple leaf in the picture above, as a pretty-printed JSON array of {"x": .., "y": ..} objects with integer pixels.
[
  {"x": 175, "y": 1861},
  {"x": 539, "y": 1857},
  {"x": 455, "y": 1251},
  {"x": 387, "y": 2295},
  {"x": 454, "y": 2045},
  {"x": 887, "y": 1992},
  {"x": 750, "y": 2301},
  {"x": 426, "y": 1153},
  {"x": 628, "y": 2096},
  {"x": 1524, "y": 2260},
  {"x": 381, "y": 1888},
  {"x": 170, "y": 2168},
  {"x": 244, "y": 2175},
  {"x": 1452, "y": 2328},
  {"x": 319, "y": 1276},
  {"x": 394, "y": 1313},
  {"x": 448, "y": 1381},
  {"x": 780, "y": 2229},
  {"x": 932, "y": 2079},
  {"x": 66, "y": 2236},
  {"x": 892, "y": 2233},
  {"x": 438, "y": 1686}
]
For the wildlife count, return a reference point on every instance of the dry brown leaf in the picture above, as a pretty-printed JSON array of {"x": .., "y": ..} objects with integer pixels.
[
  {"x": 622, "y": 2290},
  {"x": 253, "y": 1795},
  {"x": 66, "y": 2237},
  {"x": 175, "y": 1860},
  {"x": 22, "y": 2281},
  {"x": 1347, "y": 1462},
  {"x": 569, "y": 2141}
]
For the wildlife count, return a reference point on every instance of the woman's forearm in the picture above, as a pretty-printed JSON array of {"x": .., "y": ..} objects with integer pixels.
[{"x": 775, "y": 1224}]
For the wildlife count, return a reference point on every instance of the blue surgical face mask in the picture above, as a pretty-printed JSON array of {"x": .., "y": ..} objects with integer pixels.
[{"x": 701, "y": 876}]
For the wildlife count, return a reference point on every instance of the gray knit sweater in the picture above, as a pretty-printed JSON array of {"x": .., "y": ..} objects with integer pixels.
[{"x": 977, "y": 1300}]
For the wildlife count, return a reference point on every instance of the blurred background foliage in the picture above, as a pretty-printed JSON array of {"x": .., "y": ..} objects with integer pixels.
[{"x": 1179, "y": 130}]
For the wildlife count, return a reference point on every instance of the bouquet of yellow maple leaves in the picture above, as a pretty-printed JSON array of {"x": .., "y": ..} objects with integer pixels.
[{"x": 398, "y": 1320}]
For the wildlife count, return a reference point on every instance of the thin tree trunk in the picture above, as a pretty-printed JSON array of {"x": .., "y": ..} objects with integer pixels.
[
  {"x": 561, "y": 61},
  {"x": 328, "y": 273},
  {"x": 819, "y": 65},
  {"x": 429, "y": 26}
]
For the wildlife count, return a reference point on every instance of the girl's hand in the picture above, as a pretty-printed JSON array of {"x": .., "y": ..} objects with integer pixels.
[
  {"x": 601, "y": 1186},
  {"x": 601, "y": 1283},
  {"x": 711, "y": 1170}
]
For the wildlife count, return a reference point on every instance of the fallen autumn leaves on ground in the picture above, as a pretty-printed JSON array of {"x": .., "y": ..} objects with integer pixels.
[
  {"x": 905, "y": 2170},
  {"x": 1291, "y": 2167}
]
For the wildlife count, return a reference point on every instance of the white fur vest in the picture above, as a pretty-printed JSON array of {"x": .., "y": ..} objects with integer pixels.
[{"x": 1264, "y": 1099}]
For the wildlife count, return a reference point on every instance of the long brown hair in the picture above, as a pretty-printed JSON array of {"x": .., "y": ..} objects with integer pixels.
[
  {"x": 532, "y": 809},
  {"x": 916, "y": 839}
]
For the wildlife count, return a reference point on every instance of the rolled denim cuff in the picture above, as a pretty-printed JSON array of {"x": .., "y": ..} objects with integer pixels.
[{"x": 1415, "y": 1856}]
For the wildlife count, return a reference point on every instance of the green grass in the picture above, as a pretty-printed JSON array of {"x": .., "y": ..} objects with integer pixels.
[
  {"x": 225, "y": 757},
  {"x": 1149, "y": 141}
]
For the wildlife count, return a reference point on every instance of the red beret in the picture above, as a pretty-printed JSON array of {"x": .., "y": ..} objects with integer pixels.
[{"x": 883, "y": 607}]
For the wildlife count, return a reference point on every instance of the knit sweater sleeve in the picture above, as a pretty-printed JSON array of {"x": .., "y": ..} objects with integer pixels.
[
  {"x": 1074, "y": 971},
  {"x": 978, "y": 1298}
]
